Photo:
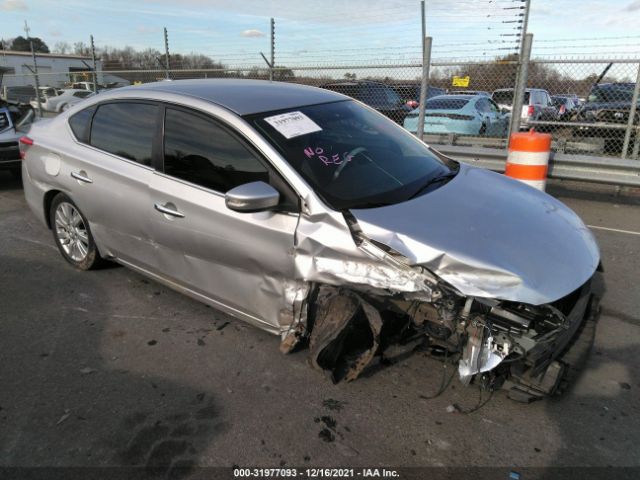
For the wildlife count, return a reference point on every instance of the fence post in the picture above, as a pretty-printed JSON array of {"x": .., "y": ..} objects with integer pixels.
[
  {"x": 272, "y": 64},
  {"x": 93, "y": 59},
  {"x": 632, "y": 116},
  {"x": 166, "y": 53},
  {"x": 518, "y": 94},
  {"x": 424, "y": 84},
  {"x": 35, "y": 75}
]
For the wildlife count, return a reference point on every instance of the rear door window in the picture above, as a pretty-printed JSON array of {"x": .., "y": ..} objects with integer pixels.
[
  {"x": 125, "y": 129},
  {"x": 201, "y": 152},
  {"x": 80, "y": 124}
]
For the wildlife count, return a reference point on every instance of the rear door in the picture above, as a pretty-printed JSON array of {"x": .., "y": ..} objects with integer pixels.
[
  {"x": 242, "y": 261},
  {"x": 110, "y": 174}
]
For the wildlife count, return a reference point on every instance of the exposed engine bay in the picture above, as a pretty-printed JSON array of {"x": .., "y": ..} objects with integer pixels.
[{"x": 496, "y": 344}]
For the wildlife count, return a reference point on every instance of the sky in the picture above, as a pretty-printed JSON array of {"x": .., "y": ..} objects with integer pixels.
[{"x": 333, "y": 31}]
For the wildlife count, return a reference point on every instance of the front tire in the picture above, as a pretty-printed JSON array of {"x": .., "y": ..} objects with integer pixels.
[{"x": 72, "y": 234}]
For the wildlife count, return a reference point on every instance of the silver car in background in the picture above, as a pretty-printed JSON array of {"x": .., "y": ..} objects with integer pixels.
[
  {"x": 314, "y": 217},
  {"x": 57, "y": 101}
]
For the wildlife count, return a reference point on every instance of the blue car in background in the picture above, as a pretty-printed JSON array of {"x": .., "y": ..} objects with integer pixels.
[{"x": 461, "y": 114}]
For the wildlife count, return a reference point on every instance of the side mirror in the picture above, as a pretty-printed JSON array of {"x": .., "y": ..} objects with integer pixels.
[{"x": 252, "y": 197}]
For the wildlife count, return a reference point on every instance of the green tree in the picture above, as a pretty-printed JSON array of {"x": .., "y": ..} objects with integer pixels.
[{"x": 21, "y": 44}]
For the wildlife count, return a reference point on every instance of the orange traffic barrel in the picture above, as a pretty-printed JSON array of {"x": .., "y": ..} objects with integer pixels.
[{"x": 528, "y": 158}]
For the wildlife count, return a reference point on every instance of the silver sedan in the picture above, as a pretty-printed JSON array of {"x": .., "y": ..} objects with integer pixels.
[{"x": 312, "y": 216}]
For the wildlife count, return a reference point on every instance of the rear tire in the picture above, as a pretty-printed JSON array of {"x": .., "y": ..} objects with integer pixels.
[
  {"x": 483, "y": 129},
  {"x": 72, "y": 234}
]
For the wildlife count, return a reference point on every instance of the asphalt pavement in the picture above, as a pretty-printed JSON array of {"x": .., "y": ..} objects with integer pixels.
[{"x": 108, "y": 368}]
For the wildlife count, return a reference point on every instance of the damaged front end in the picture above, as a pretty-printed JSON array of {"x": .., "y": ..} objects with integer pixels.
[{"x": 526, "y": 349}]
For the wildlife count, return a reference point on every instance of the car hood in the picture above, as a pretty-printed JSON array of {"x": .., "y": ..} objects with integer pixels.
[{"x": 489, "y": 236}]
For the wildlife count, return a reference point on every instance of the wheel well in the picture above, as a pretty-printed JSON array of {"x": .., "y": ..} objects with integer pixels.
[{"x": 48, "y": 199}]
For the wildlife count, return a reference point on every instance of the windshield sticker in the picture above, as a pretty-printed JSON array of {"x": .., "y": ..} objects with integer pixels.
[
  {"x": 327, "y": 158},
  {"x": 293, "y": 124}
]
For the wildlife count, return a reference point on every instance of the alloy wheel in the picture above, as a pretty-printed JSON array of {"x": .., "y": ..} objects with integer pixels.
[{"x": 71, "y": 232}]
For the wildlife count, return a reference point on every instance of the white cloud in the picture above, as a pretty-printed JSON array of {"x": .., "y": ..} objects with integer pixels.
[
  {"x": 13, "y": 5},
  {"x": 536, "y": 10},
  {"x": 145, "y": 29},
  {"x": 633, "y": 6},
  {"x": 252, "y": 33},
  {"x": 55, "y": 33}
]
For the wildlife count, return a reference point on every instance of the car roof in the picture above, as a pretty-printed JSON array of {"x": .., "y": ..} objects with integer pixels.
[
  {"x": 467, "y": 98},
  {"x": 245, "y": 97},
  {"x": 526, "y": 90}
]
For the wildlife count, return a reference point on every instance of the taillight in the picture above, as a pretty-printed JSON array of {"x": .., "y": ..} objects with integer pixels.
[
  {"x": 25, "y": 143},
  {"x": 531, "y": 111},
  {"x": 562, "y": 109}
]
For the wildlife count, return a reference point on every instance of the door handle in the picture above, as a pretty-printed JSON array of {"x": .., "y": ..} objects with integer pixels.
[
  {"x": 168, "y": 210},
  {"x": 81, "y": 176}
]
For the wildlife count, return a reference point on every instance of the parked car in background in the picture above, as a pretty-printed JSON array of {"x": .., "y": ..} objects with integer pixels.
[
  {"x": 461, "y": 114},
  {"x": 470, "y": 92},
  {"x": 537, "y": 105},
  {"x": 572, "y": 96},
  {"x": 63, "y": 100},
  {"x": 375, "y": 94},
  {"x": 13, "y": 115},
  {"x": 567, "y": 107},
  {"x": 90, "y": 86},
  {"x": 410, "y": 93},
  {"x": 608, "y": 103},
  {"x": 315, "y": 218}
]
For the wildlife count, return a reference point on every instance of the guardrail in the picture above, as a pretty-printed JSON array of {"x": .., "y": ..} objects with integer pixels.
[{"x": 607, "y": 170}]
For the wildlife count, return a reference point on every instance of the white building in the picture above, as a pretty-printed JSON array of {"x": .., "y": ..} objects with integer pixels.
[{"x": 54, "y": 70}]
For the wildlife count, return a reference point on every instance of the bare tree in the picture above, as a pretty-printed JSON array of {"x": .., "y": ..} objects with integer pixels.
[{"x": 62, "y": 48}]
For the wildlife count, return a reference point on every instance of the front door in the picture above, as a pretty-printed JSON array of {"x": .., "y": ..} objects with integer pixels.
[{"x": 243, "y": 261}]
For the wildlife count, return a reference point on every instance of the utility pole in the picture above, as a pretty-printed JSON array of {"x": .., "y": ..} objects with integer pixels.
[
  {"x": 166, "y": 52},
  {"x": 93, "y": 59},
  {"x": 27, "y": 30},
  {"x": 273, "y": 48}
]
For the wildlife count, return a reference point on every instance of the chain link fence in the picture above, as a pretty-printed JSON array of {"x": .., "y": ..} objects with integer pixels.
[{"x": 590, "y": 106}]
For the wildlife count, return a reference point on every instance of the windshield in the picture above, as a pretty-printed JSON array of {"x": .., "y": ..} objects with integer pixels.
[
  {"x": 505, "y": 97},
  {"x": 351, "y": 156}
]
